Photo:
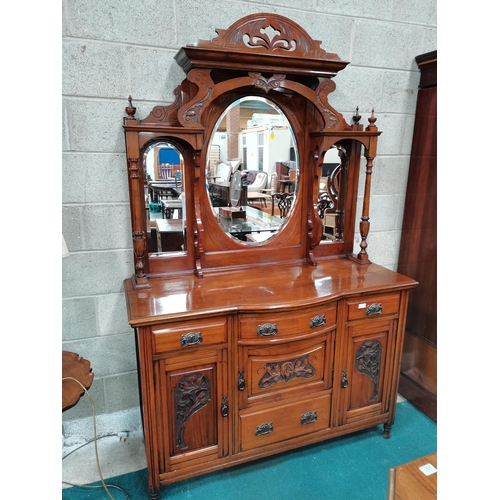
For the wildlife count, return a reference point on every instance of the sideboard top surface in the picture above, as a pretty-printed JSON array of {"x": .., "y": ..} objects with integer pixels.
[{"x": 262, "y": 289}]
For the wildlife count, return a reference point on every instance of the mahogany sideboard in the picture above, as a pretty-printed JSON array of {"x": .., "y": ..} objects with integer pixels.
[
  {"x": 247, "y": 348},
  {"x": 235, "y": 367}
]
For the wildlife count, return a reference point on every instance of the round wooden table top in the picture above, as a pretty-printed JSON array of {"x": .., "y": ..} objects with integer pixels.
[{"x": 78, "y": 368}]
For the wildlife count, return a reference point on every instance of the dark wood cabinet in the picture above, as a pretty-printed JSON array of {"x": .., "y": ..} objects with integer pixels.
[
  {"x": 418, "y": 249},
  {"x": 251, "y": 348}
]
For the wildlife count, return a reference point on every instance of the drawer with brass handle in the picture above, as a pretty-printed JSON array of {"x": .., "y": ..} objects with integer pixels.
[
  {"x": 285, "y": 324},
  {"x": 285, "y": 421},
  {"x": 372, "y": 306},
  {"x": 183, "y": 336}
]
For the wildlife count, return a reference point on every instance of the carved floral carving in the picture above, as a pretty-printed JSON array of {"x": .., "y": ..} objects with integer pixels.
[
  {"x": 266, "y": 84},
  {"x": 191, "y": 394},
  {"x": 368, "y": 363},
  {"x": 285, "y": 371}
]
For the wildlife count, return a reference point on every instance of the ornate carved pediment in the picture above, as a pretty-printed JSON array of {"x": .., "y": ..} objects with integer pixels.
[
  {"x": 289, "y": 47},
  {"x": 269, "y": 32}
]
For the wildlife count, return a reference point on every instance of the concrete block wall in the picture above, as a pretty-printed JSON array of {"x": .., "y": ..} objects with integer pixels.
[{"x": 113, "y": 48}]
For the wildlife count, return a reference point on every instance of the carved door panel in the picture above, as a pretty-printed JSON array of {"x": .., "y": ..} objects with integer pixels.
[
  {"x": 366, "y": 376},
  {"x": 268, "y": 372},
  {"x": 194, "y": 410}
]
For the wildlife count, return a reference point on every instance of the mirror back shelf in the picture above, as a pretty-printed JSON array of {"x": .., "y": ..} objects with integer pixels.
[{"x": 277, "y": 86}]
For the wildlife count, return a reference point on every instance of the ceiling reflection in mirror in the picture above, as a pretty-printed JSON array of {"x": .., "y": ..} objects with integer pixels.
[
  {"x": 253, "y": 143},
  {"x": 332, "y": 192},
  {"x": 164, "y": 197}
]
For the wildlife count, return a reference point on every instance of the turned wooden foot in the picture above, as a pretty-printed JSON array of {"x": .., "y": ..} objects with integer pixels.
[
  {"x": 154, "y": 495},
  {"x": 387, "y": 431}
]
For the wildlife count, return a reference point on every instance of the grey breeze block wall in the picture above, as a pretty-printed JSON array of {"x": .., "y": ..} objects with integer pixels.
[{"x": 113, "y": 48}]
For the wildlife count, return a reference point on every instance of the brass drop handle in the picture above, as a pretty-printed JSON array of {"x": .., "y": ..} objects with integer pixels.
[
  {"x": 344, "y": 383},
  {"x": 191, "y": 338},
  {"x": 267, "y": 330},
  {"x": 318, "y": 321},
  {"x": 309, "y": 418},
  {"x": 262, "y": 429},
  {"x": 374, "y": 309}
]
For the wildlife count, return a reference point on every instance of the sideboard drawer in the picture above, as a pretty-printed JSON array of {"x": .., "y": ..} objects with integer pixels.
[
  {"x": 286, "y": 421},
  {"x": 178, "y": 336},
  {"x": 288, "y": 323},
  {"x": 372, "y": 306}
]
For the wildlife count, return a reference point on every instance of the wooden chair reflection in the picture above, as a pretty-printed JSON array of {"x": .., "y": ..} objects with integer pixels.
[
  {"x": 284, "y": 203},
  {"x": 164, "y": 171}
]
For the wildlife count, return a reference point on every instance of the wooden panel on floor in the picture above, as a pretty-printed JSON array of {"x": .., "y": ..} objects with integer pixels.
[{"x": 417, "y": 479}]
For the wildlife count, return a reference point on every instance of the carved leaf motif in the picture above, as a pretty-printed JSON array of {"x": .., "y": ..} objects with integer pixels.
[
  {"x": 267, "y": 84},
  {"x": 191, "y": 394},
  {"x": 270, "y": 41},
  {"x": 285, "y": 371},
  {"x": 368, "y": 363}
]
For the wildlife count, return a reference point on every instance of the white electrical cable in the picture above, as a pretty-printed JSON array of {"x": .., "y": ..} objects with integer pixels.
[{"x": 95, "y": 446}]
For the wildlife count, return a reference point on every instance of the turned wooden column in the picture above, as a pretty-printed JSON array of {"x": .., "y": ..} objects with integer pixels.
[
  {"x": 137, "y": 204},
  {"x": 364, "y": 225}
]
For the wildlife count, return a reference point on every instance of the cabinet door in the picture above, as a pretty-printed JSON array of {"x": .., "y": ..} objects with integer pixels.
[
  {"x": 275, "y": 372},
  {"x": 193, "y": 410},
  {"x": 365, "y": 378}
]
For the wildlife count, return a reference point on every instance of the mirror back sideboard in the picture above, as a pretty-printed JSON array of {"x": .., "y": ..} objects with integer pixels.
[{"x": 265, "y": 330}]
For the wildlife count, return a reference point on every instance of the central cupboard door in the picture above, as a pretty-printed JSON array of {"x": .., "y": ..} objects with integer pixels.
[
  {"x": 285, "y": 391},
  {"x": 269, "y": 372}
]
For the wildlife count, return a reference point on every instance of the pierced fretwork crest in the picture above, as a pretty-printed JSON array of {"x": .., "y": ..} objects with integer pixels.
[
  {"x": 269, "y": 38},
  {"x": 269, "y": 33},
  {"x": 368, "y": 363}
]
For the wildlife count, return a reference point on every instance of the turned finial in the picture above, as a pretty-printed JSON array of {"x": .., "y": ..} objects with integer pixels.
[
  {"x": 130, "y": 108},
  {"x": 357, "y": 116},
  {"x": 372, "y": 119}
]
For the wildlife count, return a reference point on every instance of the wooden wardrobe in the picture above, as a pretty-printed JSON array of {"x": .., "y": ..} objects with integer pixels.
[{"x": 418, "y": 250}]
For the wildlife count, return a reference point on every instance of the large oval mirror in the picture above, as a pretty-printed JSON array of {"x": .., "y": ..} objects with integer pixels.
[
  {"x": 252, "y": 143},
  {"x": 163, "y": 168}
]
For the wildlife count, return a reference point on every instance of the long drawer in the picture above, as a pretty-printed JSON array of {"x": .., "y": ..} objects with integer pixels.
[
  {"x": 288, "y": 323},
  {"x": 180, "y": 336},
  {"x": 286, "y": 421}
]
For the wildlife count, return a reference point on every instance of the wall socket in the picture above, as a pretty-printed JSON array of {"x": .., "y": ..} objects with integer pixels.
[{"x": 123, "y": 435}]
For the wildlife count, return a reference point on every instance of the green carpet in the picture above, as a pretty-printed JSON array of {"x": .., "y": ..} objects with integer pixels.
[{"x": 346, "y": 468}]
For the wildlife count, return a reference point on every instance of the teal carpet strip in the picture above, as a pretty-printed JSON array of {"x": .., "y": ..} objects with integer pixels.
[{"x": 345, "y": 468}]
